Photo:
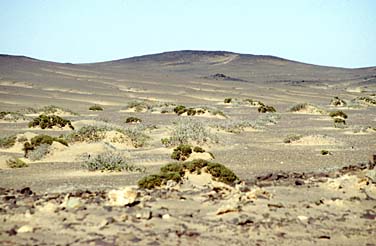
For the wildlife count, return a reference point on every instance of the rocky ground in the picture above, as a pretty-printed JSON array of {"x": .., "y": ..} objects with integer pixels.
[{"x": 326, "y": 208}]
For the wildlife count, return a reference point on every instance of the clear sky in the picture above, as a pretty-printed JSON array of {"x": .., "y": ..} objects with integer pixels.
[{"x": 326, "y": 32}]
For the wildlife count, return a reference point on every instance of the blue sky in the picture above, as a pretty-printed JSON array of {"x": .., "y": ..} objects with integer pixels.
[{"x": 326, "y": 32}]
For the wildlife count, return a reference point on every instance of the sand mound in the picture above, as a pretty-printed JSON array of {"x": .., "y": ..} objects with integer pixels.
[
  {"x": 305, "y": 108},
  {"x": 316, "y": 140}
]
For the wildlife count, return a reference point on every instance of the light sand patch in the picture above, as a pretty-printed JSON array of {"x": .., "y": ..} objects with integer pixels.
[
  {"x": 17, "y": 84},
  {"x": 68, "y": 90},
  {"x": 204, "y": 156},
  {"x": 355, "y": 89},
  {"x": 18, "y": 146},
  {"x": 3, "y": 161},
  {"x": 81, "y": 123},
  {"x": 316, "y": 140}
]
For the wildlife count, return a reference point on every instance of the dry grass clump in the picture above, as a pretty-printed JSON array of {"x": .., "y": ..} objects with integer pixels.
[
  {"x": 234, "y": 125},
  {"x": 39, "y": 152},
  {"x": 338, "y": 102},
  {"x": 292, "y": 138},
  {"x": 266, "y": 109},
  {"x": 8, "y": 141},
  {"x": 89, "y": 133},
  {"x": 188, "y": 131},
  {"x": 253, "y": 102},
  {"x": 110, "y": 161},
  {"x": 49, "y": 121},
  {"x": 16, "y": 163},
  {"x": 11, "y": 116},
  {"x": 95, "y": 108},
  {"x": 181, "y": 109},
  {"x": 306, "y": 108},
  {"x": 39, "y": 140},
  {"x": 139, "y": 106},
  {"x": 176, "y": 171}
]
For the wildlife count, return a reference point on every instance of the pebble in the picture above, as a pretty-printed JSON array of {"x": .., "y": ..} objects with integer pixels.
[{"x": 25, "y": 228}]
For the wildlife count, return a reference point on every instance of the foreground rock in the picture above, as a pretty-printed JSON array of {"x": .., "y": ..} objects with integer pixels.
[{"x": 333, "y": 208}]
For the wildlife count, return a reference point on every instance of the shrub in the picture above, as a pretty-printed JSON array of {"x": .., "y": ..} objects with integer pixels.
[
  {"x": 16, "y": 163},
  {"x": 39, "y": 152},
  {"x": 266, "y": 109},
  {"x": 133, "y": 120},
  {"x": 366, "y": 100},
  {"x": 325, "y": 152},
  {"x": 189, "y": 130},
  {"x": 198, "y": 149},
  {"x": 339, "y": 123},
  {"x": 176, "y": 171},
  {"x": 39, "y": 140},
  {"x": 338, "y": 113},
  {"x": 52, "y": 109},
  {"x": 227, "y": 100},
  {"x": 110, "y": 161},
  {"x": 337, "y": 102},
  {"x": 166, "y": 142},
  {"x": 254, "y": 102},
  {"x": 88, "y": 133},
  {"x": 182, "y": 152},
  {"x": 309, "y": 108},
  {"x": 298, "y": 107},
  {"x": 49, "y": 121},
  {"x": 11, "y": 116},
  {"x": 137, "y": 136},
  {"x": 180, "y": 109},
  {"x": 7, "y": 142},
  {"x": 292, "y": 138},
  {"x": 95, "y": 108},
  {"x": 234, "y": 126},
  {"x": 138, "y": 106}
]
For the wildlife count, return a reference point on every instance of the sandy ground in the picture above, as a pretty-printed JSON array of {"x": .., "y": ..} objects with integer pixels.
[{"x": 296, "y": 210}]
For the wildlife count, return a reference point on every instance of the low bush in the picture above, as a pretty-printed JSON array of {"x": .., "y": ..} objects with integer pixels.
[
  {"x": 39, "y": 152},
  {"x": 139, "y": 106},
  {"x": 337, "y": 102},
  {"x": 325, "y": 152},
  {"x": 110, "y": 161},
  {"x": 227, "y": 100},
  {"x": 11, "y": 116},
  {"x": 16, "y": 163},
  {"x": 49, "y": 121},
  {"x": 39, "y": 140},
  {"x": 366, "y": 100},
  {"x": 266, "y": 109},
  {"x": 176, "y": 171},
  {"x": 88, "y": 133},
  {"x": 95, "y": 108},
  {"x": 198, "y": 149},
  {"x": 133, "y": 120},
  {"x": 339, "y": 114},
  {"x": 292, "y": 138},
  {"x": 8, "y": 142},
  {"x": 182, "y": 152}
]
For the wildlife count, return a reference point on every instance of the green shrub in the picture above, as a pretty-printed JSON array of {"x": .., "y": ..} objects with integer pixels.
[
  {"x": 49, "y": 121},
  {"x": 292, "y": 138},
  {"x": 176, "y": 171},
  {"x": 227, "y": 100},
  {"x": 191, "y": 112},
  {"x": 338, "y": 113},
  {"x": 166, "y": 142},
  {"x": 180, "y": 109},
  {"x": 39, "y": 140},
  {"x": 16, "y": 163},
  {"x": 7, "y": 142},
  {"x": 133, "y": 120},
  {"x": 110, "y": 161},
  {"x": 266, "y": 109},
  {"x": 182, "y": 152},
  {"x": 96, "y": 108},
  {"x": 198, "y": 149}
]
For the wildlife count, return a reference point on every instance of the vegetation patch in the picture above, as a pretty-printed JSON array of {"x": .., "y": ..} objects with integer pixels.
[
  {"x": 183, "y": 152},
  {"x": 339, "y": 123},
  {"x": 11, "y": 116},
  {"x": 39, "y": 140},
  {"x": 306, "y": 108},
  {"x": 325, "y": 152},
  {"x": 88, "y": 133},
  {"x": 95, "y": 108},
  {"x": 133, "y": 120},
  {"x": 227, "y": 100},
  {"x": 181, "y": 109},
  {"x": 338, "y": 114},
  {"x": 110, "y": 161},
  {"x": 16, "y": 163},
  {"x": 338, "y": 102},
  {"x": 292, "y": 138},
  {"x": 365, "y": 100},
  {"x": 8, "y": 141},
  {"x": 266, "y": 109},
  {"x": 49, "y": 121},
  {"x": 176, "y": 171}
]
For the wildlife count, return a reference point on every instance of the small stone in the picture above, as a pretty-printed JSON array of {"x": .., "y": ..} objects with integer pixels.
[
  {"x": 227, "y": 209},
  {"x": 25, "y": 228},
  {"x": 303, "y": 218},
  {"x": 166, "y": 216},
  {"x": 122, "y": 197}
]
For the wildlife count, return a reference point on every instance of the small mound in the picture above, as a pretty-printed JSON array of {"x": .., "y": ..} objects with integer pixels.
[
  {"x": 306, "y": 108},
  {"x": 178, "y": 172},
  {"x": 315, "y": 140}
]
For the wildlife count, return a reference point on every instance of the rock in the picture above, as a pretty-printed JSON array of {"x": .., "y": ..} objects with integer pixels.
[
  {"x": 303, "y": 218},
  {"x": 144, "y": 214},
  {"x": 371, "y": 175},
  {"x": 227, "y": 209},
  {"x": 122, "y": 197},
  {"x": 48, "y": 207},
  {"x": 106, "y": 221},
  {"x": 25, "y": 228},
  {"x": 166, "y": 216},
  {"x": 72, "y": 202}
]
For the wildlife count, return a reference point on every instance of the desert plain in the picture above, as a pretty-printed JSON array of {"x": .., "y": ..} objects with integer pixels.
[{"x": 297, "y": 141}]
